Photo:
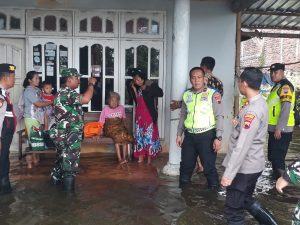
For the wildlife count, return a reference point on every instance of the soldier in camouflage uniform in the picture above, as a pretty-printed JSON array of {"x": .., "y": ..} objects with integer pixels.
[
  {"x": 291, "y": 175},
  {"x": 67, "y": 133}
]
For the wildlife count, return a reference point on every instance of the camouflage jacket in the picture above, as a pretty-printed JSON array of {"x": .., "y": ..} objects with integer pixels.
[
  {"x": 68, "y": 111},
  {"x": 292, "y": 173}
]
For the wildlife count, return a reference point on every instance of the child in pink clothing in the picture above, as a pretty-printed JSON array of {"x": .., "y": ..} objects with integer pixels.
[{"x": 112, "y": 118}]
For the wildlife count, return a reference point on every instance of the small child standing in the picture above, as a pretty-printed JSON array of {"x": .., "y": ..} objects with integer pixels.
[
  {"x": 47, "y": 96},
  {"x": 112, "y": 118}
]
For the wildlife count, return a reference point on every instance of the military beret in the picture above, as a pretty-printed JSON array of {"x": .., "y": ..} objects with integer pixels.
[
  {"x": 7, "y": 68},
  {"x": 277, "y": 66},
  {"x": 70, "y": 72},
  {"x": 137, "y": 71}
]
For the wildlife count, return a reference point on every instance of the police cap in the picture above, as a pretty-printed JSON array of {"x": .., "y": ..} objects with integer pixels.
[
  {"x": 277, "y": 66},
  {"x": 7, "y": 68}
]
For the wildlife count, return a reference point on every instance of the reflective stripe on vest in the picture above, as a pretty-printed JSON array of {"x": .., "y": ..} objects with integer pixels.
[
  {"x": 274, "y": 105},
  {"x": 200, "y": 115}
]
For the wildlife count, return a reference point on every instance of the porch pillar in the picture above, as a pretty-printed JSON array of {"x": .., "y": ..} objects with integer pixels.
[{"x": 181, "y": 28}]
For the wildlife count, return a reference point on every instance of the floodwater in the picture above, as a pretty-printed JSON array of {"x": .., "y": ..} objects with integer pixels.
[{"x": 134, "y": 194}]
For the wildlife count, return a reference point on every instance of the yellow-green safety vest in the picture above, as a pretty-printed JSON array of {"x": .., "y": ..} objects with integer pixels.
[
  {"x": 274, "y": 105},
  {"x": 200, "y": 115}
]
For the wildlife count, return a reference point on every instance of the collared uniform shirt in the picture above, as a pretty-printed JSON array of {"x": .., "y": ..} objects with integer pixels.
[{"x": 245, "y": 154}]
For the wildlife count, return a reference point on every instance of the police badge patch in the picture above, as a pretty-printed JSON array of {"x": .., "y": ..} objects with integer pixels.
[
  {"x": 248, "y": 118},
  {"x": 218, "y": 98},
  {"x": 189, "y": 98}
]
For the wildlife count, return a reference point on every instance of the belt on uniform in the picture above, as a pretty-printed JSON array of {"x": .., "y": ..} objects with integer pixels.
[{"x": 199, "y": 130}]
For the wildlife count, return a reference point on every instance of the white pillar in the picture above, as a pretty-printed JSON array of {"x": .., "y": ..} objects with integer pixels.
[{"x": 181, "y": 28}]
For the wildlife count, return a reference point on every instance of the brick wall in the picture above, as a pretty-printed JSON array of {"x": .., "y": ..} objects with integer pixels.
[{"x": 266, "y": 51}]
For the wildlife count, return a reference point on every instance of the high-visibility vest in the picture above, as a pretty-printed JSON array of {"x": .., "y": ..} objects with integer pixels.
[
  {"x": 200, "y": 115},
  {"x": 274, "y": 105}
]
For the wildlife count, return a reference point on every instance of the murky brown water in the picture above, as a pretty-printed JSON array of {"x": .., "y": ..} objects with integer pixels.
[{"x": 109, "y": 194}]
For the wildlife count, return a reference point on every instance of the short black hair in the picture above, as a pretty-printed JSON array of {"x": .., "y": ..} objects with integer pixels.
[
  {"x": 209, "y": 62},
  {"x": 46, "y": 82},
  {"x": 137, "y": 72},
  {"x": 253, "y": 77},
  {"x": 196, "y": 68}
]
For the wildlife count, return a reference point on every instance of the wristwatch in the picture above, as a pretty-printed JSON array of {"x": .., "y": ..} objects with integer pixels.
[{"x": 219, "y": 138}]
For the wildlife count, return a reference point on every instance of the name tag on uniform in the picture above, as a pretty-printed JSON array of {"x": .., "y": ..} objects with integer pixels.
[
  {"x": 204, "y": 97},
  {"x": 189, "y": 98}
]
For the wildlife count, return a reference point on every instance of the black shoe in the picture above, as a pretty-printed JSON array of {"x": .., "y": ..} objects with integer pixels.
[
  {"x": 5, "y": 187},
  {"x": 262, "y": 215},
  {"x": 69, "y": 183}
]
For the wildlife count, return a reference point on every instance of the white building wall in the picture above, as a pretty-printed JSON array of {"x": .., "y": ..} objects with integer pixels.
[{"x": 212, "y": 33}]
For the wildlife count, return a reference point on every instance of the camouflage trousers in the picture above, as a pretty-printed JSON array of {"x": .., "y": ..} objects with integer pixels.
[
  {"x": 67, "y": 154},
  {"x": 296, "y": 218}
]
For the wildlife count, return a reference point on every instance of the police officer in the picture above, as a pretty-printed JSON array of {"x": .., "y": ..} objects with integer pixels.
[
  {"x": 67, "y": 133},
  {"x": 281, "y": 102},
  {"x": 201, "y": 120},
  {"x": 245, "y": 159},
  {"x": 7, "y": 124}
]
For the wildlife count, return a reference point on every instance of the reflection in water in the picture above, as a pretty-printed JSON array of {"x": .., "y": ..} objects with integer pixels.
[{"x": 132, "y": 194}]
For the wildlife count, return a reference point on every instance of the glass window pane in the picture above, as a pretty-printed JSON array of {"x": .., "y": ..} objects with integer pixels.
[
  {"x": 37, "y": 24},
  {"x": 109, "y": 86},
  {"x": 50, "y": 62},
  {"x": 15, "y": 23},
  {"x": 129, "y": 27},
  {"x": 96, "y": 102},
  {"x": 129, "y": 58},
  {"x": 128, "y": 97},
  {"x": 154, "y": 63},
  {"x": 63, "y": 58},
  {"x": 63, "y": 25},
  {"x": 155, "y": 81},
  {"x": 37, "y": 60},
  {"x": 83, "y": 25},
  {"x": 97, "y": 56},
  {"x": 142, "y": 57},
  {"x": 96, "y": 24},
  {"x": 85, "y": 109},
  {"x": 109, "y": 26},
  {"x": 109, "y": 61},
  {"x": 83, "y": 85},
  {"x": 50, "y": 23},
  {"x": 154, "y": 27},
  {"x": 2, "y": 21},
  {"x": 83, "y": 60},
  {"x": 142, "y": 26}
]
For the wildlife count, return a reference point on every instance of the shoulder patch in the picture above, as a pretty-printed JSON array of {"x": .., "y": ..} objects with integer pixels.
[
  {"x": 248, "y": 118},
  {"x": 286, "y": 93},
  {"x": 218, "y": 98}
]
